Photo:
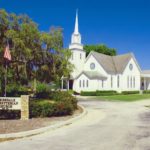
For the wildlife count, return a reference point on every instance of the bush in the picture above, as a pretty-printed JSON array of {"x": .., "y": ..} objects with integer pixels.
[
  {"x": 97, "y": 93},
  {"x": 16, "y": 90},
  {"x": 62, "y": 104},
  {"x": 42, "y": 90},
  {"x": 10, "y": 114},
  {"x": 41, "y": 109},
  {"x": 130, "y": 92},
  {"x": 146, "y": 92}
]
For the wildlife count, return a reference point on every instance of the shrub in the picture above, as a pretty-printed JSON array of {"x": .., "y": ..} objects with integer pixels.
[
  {"x": 130, "y": 92},
  {"x": 63, "y": 96},
  {"x": 41, "y": 109},
  {"x": 10, "y": 114},
  {"x": 16, "y": 90},
  {"x": 97, "y": 93},
  {"x": 146, "y": 92},
  {"x": 63, "y": 104},
  {"x": 42, "y": 90}
]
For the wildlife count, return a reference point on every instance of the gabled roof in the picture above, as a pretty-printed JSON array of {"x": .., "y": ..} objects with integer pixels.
[
  {"x": 113, "y": 64},
  {"x": 145, "y": 71},
  {"x": 92, "y": 75}
]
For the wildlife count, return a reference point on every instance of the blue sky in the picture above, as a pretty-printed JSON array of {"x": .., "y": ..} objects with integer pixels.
[{"x": 120, "y": 24}]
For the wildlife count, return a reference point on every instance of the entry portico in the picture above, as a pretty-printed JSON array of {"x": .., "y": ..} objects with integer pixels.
[{"x": 145, "y": 80}]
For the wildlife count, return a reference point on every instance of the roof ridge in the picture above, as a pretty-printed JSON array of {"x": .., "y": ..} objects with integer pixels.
[{"x": 100, "y": 53}]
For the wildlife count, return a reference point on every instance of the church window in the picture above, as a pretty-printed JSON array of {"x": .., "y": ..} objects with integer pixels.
[
  {"x": 111, "y": 81},
  {"x": 92, "y": 66},
  {"x": 118, "y": 81},
  {"x": 80, "y": 56},
  {"x": 131, "y": 67},
  {"x": 134, "y": 82},
  {"x": 87, "y": 83},
  {"x": 128, "y": 81},
  {"x": 83, "y": 83},
  {"x": 102, "y": 83},
  {"x": 80, "y": 83},
  {"x": 131, "y": 82}
]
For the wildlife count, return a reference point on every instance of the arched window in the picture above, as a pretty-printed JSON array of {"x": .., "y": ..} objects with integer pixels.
[
  {"x": 128, "y": 81},
  {"x": 87, "y": 83},
  {"x": 83, "y": 83},
  {"x": 118, "y": 81},
  {"x": 80, "y": 83},
  {"x": 131, "y": 82},
  {"x": 102, "y": 83},
  {"x": 134, "y": 82},
  {"x": 80, "y": 56},
  {"x": 111, "y": 81}
]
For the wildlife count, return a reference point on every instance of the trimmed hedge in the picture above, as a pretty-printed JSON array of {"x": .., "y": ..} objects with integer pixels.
[
  {"x": 130, "y": 92},
  {"x": 97, "y": 93},
  {"x": 146, "y": 92}
]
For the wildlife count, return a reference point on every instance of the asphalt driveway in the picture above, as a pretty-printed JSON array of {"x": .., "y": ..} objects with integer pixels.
[{"x": 107, "y": 126}]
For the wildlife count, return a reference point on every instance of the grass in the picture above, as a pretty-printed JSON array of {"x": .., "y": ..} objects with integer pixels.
[{"x": 126, "y": 98}]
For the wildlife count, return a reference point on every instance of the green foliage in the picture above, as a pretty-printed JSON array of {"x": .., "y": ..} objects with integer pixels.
[
  {"x": 130, "y": 92},
  {"x": 97, "y": 93},
  {"x": 34, "y": 54},
  {"x": 62, "y": 104},
  {"x": 100, "y": 48},
  {"x": 41, "y": 87},
  {"x": 146, "y": 92},
  {"x": 63, "y": 97},
  {"x": 42, "y": 90},
  {"x": 15, "y": 90},
  {"x": 124, "y": 98},
  {"x": 10, "y": 114}
]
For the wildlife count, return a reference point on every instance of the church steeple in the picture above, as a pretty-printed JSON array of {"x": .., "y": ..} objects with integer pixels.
[
  {"x": 78, "y": 55},
  {"x": 76, "y": 28},
  {"x": 76, "y": 37}
]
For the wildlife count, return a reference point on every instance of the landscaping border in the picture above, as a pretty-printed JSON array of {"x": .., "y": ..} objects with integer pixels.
[{"x": 43, "y": 129}]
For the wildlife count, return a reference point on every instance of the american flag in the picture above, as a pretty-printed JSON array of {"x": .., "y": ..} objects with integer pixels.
[{"x": 7, "y": 54}]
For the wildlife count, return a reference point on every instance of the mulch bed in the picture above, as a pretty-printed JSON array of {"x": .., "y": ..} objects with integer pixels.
[{"x": 14, "y": 126}]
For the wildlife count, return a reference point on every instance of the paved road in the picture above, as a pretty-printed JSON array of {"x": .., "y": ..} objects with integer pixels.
[{"x": 107, "y": 126}]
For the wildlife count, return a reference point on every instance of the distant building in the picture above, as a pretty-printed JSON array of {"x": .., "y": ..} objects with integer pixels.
[{"x": 102, "y": 72}]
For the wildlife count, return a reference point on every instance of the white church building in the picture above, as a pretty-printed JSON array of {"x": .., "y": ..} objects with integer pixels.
[{"x": 102, "y": 72}]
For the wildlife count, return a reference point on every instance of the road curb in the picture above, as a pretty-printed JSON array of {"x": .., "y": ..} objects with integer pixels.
[{"x": 43, "y": 129}]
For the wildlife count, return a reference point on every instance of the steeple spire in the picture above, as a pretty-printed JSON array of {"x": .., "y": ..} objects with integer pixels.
[
  {"x": 76, "y": 29},
  {"x": 76, "y": 37}
]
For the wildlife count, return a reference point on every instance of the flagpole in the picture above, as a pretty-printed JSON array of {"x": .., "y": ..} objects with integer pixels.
[
  {"x": 5, "y": 80},
  {"x": 6, "y": 57}
]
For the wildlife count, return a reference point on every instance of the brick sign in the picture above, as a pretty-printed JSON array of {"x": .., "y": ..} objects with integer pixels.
[{"x": 15, "y": 103}]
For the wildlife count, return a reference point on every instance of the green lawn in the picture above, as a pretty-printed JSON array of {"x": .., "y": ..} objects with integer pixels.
[{"x": 127, "y": 98}]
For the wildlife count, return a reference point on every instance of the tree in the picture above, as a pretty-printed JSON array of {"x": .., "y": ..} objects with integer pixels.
[
  {"x": 100, "y": 48},
  {"x": 35, "y": 54}
]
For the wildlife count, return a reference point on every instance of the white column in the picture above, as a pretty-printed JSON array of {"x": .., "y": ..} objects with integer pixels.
[
  {"x": 144, "y": 83},
  {"x": 67, "y": 84},
  {"x": 62, "y": 83}
]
